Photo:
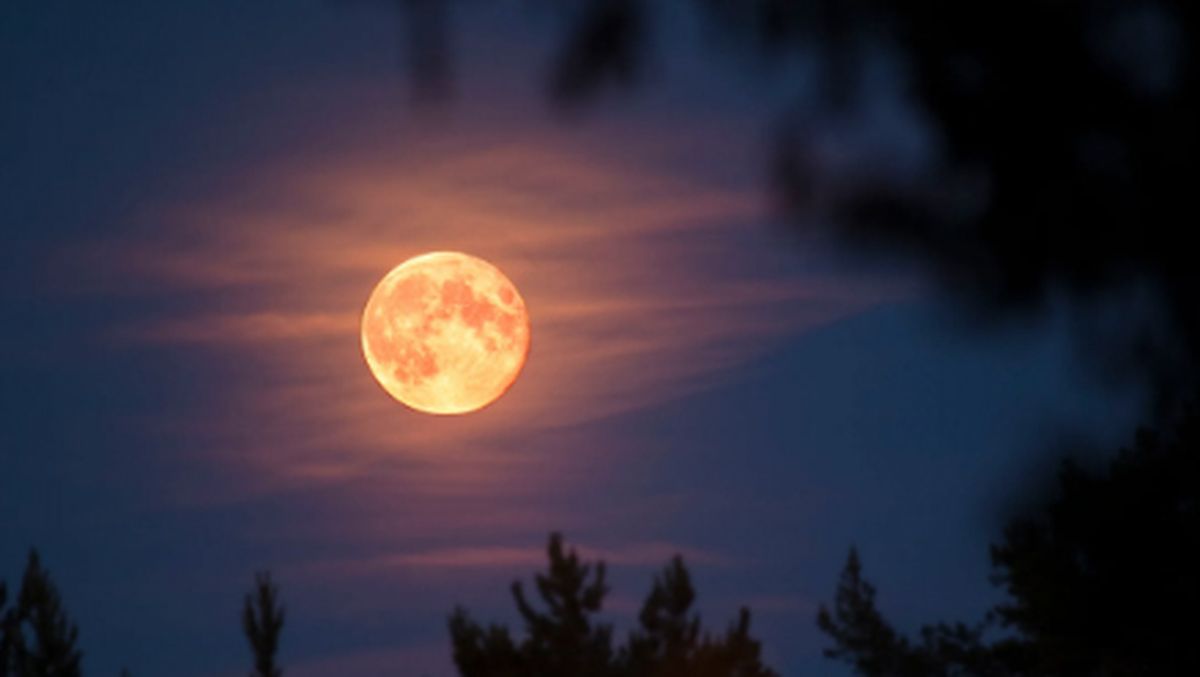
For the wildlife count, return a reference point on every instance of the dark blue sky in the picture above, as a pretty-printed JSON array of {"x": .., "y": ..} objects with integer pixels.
[{"x": 195, "y": 200}]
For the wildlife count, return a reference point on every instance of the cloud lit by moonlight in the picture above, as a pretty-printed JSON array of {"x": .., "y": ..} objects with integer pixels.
[{"x": 649, "y": 281}]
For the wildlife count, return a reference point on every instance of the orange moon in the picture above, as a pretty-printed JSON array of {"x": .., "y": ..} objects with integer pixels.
[{"x": 445, "y": 333}]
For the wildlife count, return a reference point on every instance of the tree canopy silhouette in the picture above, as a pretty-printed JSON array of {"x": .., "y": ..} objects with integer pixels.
[
  {"x": 1064, "y": 135},
  {"x": 262, "y": 622},
  {"x": 1061, "y": 135},
  {"x": 37, "y": 638},
  {"x": 1102, "y": 580},
  {"x": 566, "y": 639}
]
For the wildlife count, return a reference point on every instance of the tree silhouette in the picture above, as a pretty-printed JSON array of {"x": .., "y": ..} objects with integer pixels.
[
  {"x": 861, "y": 635},
  {"x": 1102, "y": 580},
  {"x": 1107, "y": 577},
  {"x": 1059, "y": 161},
  {"x": 1060, "y": 172},
  {"x": 667, "y": 640},
  {"x": 567, "y": 640},
  {"x": 864, "y": 639},
  {"x": 734, "y": 654},
  {"x": 262, "y": 621},
  {"x": 37, "y": 639}
]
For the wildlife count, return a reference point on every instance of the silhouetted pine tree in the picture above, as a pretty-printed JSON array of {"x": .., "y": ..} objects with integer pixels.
[
  {"x": 860, "y": 634},
  {"x": 262, "y": 621},
  {"x": 736, "y": 654},
  {"x": 565, "y": 636},
  {"x": 484, "y": 652},
  {"x": 566, "y": 640},
  {"x": 867, "y": 641},
  {"x": 665, "y": 644},
  {"x": 37, "y": 639}
]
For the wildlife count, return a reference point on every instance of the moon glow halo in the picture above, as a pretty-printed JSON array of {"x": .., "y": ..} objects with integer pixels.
[{"x": 445, "y": 333}]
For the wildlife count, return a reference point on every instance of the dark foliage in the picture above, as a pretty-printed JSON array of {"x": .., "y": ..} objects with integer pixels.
[
  {"x": 670, "y": 631},
  {"x": 860, "y": 634},
  {"x": 262, "y": 621},
  {"x": 605, "y": 49},
  {"x": 734, "y": 654},
  {"x": 1107, "y": 577},
  {"x": 1066, "y": 140},
  {"x": 865, "y": 640},
  {"x": 1103, "y": 580},
  {"x": 1077, "y": 137},
  {"x": 37, "y": 638},
  {"x": 1064, "y": 134},
  {"x": 425, "y": 36},
  {"x": 567, "y": 639}
]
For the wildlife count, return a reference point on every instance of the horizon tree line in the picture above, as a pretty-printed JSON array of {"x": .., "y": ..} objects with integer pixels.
[
  {"x": 1103, "y": 579},
  {"x": 564, "y": 637}
]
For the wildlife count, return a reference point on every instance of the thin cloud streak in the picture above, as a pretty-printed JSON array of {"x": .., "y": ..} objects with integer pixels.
[
  {"x": 650, "y": 554},
  {"x": 637, "y": 293},
  {"x": 240, "y": 328}
]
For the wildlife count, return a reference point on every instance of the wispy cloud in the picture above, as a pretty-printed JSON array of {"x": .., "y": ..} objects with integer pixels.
[
  {"x": 510, "y": 559},
  {"x": 643, "y": 284},
  {"x": 251, "y": 327}
]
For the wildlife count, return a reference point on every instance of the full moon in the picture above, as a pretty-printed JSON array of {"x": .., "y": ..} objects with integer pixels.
[{"x": 445, "y": 333}]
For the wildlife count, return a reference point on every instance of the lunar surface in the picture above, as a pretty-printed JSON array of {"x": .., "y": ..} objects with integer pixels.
[{"x": 445, "y": 333}]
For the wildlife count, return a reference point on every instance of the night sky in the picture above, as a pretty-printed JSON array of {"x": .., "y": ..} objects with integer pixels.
[{"x": 196, "y": 199}]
